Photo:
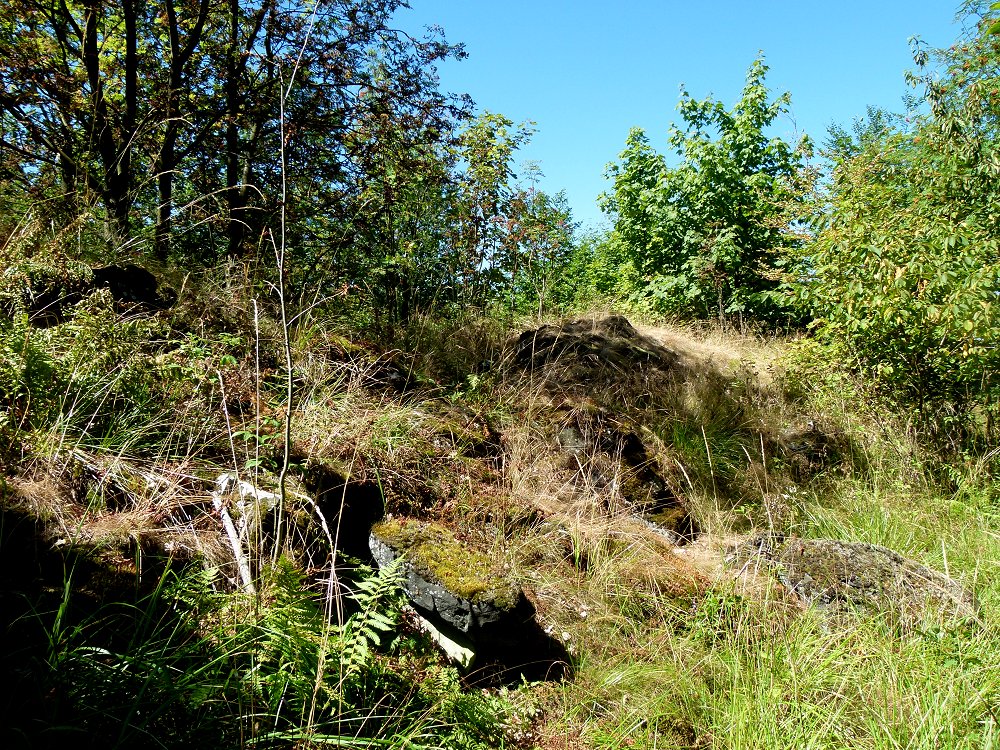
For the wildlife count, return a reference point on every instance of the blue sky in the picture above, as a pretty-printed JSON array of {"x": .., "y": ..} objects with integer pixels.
[{"x": 585, "y": 71}]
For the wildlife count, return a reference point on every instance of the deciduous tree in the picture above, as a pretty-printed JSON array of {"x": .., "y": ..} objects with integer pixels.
[{"x": 711, "y": 234}]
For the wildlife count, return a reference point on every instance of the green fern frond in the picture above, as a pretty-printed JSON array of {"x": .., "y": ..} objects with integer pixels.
[{"x": 378, "y": 599}]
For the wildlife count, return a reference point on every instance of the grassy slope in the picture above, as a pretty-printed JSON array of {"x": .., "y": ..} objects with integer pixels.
[{"x": 126, "y": 423}]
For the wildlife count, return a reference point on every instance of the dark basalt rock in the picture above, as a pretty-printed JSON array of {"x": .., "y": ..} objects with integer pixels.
[
  {"x": 457, "y": 590},
  {"x": 446, "y": 581},
  {"x": 435, "y": 600},
  {"x": 48, "y": 294},
  {"x": 605, "y": 452},
  {"x": 609, "y": 343},
  {"x": 129, "y": 283},
  {"x": 809, "y": 449},
  {"x": 349, "y": 505}
]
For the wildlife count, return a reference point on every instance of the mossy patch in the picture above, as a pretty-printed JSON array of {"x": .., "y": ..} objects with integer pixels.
[{"x": 436, "y": 554}]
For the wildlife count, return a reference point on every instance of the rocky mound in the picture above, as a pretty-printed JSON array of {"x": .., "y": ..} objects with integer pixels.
[
  {"x": 590, "y": 347},
  {"x": 839, "y": 577}
]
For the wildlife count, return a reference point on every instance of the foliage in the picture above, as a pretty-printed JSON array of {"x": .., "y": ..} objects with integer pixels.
[
  {"x": 100, "y": 95},
  {"x": 599, "y": 271},
  {"x": 512, "y": 241},
  {"x": 189, "y": 665},
  {"x": 538, "y": 247},
  {"x": 712, "y": 235},
  {"x": 448, "y": 227},
  {"x": 906, "y": 267},
  {"x": 88, "y": 375}
]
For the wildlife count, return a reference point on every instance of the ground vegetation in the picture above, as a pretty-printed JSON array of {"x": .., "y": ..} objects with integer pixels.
[{"x": 731, "y": 466}]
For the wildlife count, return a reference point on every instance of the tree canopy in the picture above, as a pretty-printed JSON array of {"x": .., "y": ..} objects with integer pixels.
[
  {"x": 710, "y": 235},
  {"x": 906, "y": 268}
]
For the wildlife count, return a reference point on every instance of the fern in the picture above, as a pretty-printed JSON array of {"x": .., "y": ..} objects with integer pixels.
[{"x": 378, "y": 599}]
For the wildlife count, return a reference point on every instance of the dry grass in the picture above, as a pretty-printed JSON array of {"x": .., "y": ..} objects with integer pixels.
[{"x": 537, "y": 468}]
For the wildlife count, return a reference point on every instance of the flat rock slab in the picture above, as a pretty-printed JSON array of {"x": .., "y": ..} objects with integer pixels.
[
  {"x": 840, "y": 576},
  {"x": 449, "y": 582}
]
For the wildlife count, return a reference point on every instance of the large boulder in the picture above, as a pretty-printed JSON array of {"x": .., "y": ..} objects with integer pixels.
[
  {"x": 460, "y": 593},
  {"x": 839, "y": 576},
  {"x": 49, "y": 290},
  {"x": 586, "y": 347},
  {"x": 447, "y": 581}
]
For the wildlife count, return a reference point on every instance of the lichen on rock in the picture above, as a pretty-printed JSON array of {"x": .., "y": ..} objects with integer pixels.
[
  {"x": 840, "y": 576},
  {"x": 446, "y": 578}
]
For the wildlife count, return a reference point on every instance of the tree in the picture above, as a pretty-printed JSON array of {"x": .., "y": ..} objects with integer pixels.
[
  {"x": 712, "y": 234},
  {"x": 70, "y": 98},
  {"x": 131, "y": 106},
  {"x": 486, "y": 149},
  {"x": 906, "y": 269},
  {"x": 538, "y": 246}
]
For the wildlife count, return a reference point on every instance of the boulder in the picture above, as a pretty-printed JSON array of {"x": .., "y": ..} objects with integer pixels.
[
  {"x": 586, "y": 346},
  {"x": 446, "y": 581},
  {"x": 811, "y": 448},
  {"x": 839, "y": 576},
  {"x": 49, "y": 291},
  {"x": 476, "y": 614},
  {"x": 130, "y": 283}
]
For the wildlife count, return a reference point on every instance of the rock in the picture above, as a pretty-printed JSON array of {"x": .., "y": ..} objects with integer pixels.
[
  {"x": 46, "y": 291},
  {"x": 840, "y": 576},
  {"x": 459, "y": 651},
  {"x": 809, "y": 449},
  {"x": 128, "y": 283},
  {"x": 589, "y": 345},
  {"x": 350, "y": 505},
  {"x": 49, "y": 292},
  {"x": 608, "y": 457},
  {"x": 473, "y": 612},
  {"x": 447, "y": 581}
]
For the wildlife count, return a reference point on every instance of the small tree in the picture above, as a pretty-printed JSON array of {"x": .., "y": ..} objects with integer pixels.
[
  {"x": 711, "y": 235},
  {"x": 906, "y": 270}
]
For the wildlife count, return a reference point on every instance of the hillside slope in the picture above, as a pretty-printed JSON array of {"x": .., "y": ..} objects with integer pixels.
[{"x": 720, "y": 542}]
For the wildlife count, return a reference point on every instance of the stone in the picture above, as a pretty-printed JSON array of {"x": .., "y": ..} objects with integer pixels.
[
  {"x": 470, "y": 610},
  {"x": 48, "y": 293},
  {"x": 448, "y": 581},
  {"x": 809, "y": 449},
  {"x": 128, "y": 283},
  {"x": 839, "y": 576},
  {"x": 591, "y": 346},
  {"x": 459, "y": 651}
]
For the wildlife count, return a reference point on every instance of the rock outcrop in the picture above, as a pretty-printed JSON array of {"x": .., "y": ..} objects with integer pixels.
[
  {"x": 839, "y": 576},
  {"x": 587, "y": 346},
  {"x": 49, "y": 292},
  {"x": 448, "y": 582},
  {"x": 461, "y": 593}
]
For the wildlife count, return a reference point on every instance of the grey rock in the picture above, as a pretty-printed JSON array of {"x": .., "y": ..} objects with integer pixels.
[
  {"x": 433, "y": 598},
  {"x": 839, "y": 576}
]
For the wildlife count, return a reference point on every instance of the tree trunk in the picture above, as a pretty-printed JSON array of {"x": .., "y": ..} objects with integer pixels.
[
  {"x": 116, "y": 190},
  {"x": 165, "y": 165}
]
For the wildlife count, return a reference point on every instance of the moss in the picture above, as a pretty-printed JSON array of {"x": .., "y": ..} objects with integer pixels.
[{"x": 436, "y": 554}]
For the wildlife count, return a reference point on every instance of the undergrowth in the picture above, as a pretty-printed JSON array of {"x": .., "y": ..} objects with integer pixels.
[{"x": 116, "y": 425}]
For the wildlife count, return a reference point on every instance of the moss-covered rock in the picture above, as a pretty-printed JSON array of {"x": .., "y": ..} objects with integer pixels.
[
  {"x": 445, "y": 578},
  {"x": 841, "y": 576}
]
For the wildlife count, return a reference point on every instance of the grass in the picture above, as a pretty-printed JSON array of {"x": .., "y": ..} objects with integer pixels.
[
  {"x": 669, "y": 649},
  {"x": 723, "y": 668}
]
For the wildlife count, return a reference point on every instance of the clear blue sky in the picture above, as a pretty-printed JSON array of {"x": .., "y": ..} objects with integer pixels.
[{"x": 587, "y": 70}]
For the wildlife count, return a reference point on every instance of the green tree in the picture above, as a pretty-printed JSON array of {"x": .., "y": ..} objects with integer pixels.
[
  {"x": 906, "y": 269},
  {"x": 486, "y": 149},
  {"x": 135, "y": 109},
  {"x": 537, "y": 247},
  {"x": 711, "y": 236}
]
